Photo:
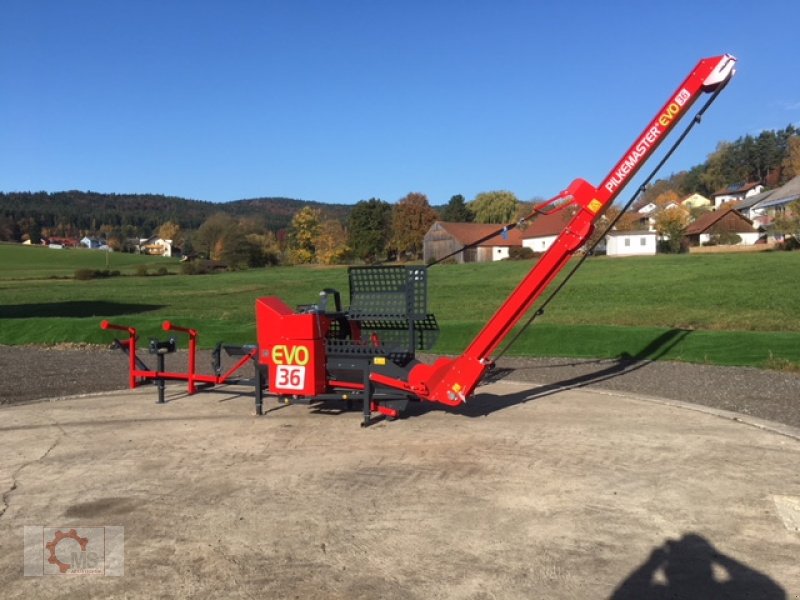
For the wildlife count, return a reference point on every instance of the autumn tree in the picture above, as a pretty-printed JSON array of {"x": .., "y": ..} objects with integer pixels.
[
  {"x": 494, "y": 207},
  {"x": 666, "y": 198},
  {"x": 657, "y": 189},
  {"x": 629, "y": 221},
  {"x": 456, "y": 211},
  {"x": 262, "y": 249},
  {"x": 233, "y": 249},
  {"x": 115, "y": 240},
  {"x": 791, "y": 162},
  {"x": 210, "y": 236},
  {"x": 789, "y": 222},
  {"x": 303, "y": 233},
  {"x": 169, "y": 230},
  {"x": 411, "y": 218},
  {"x": 9, "y": 231},
  {"x": 331, "y": 242},
  {"x": 671, "y": 223},
  {"x": 369, "y": 228},
  {"x": 698, "y": 211}
]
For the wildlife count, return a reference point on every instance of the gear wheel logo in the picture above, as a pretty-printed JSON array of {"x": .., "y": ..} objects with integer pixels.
[{"x": 58, "y": 538}]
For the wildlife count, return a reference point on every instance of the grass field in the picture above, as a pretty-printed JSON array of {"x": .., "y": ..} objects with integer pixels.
[
  {"x": 37, "y": 262},
  {"x": 736, "y": 309}
]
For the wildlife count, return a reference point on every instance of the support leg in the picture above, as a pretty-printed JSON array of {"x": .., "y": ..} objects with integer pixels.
[
  {"x": 160, "y": 380},
  {"x": 259, "y": 390},
  {"x": 367, "y": 409}
]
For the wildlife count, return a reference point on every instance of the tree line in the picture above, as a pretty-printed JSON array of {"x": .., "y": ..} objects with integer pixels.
[
  {"x": 73, "y": 214},
  {"x": 255, "y": 232},
  {"x": 771, "y": 158},
  {"x": 373, "y": 231},
  {"x": 264, "y": 231}
]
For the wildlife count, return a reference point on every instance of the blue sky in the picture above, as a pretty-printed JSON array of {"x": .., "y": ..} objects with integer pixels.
[{"x": 339, "y": 101}]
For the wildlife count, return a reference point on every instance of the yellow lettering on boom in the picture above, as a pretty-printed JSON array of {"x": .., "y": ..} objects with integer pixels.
[{"x": 669, "y": 114}]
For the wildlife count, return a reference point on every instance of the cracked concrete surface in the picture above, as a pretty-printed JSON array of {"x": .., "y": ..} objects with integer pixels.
[
  {"x": 9, "y": 490},
  {"x": 571, "y": 494}
]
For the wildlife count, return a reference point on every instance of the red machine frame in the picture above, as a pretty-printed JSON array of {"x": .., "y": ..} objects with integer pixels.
[
  {"x": 452, "y": 381},
  {"x": 138, "y": 372},
  {"x": 314, "y": 355}
]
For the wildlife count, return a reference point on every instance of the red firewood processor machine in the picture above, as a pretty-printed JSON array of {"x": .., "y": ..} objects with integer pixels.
[{"x": 322, "y": 352}]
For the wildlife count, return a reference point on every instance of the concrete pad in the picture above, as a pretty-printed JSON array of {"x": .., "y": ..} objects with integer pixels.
[{"x": 571, "y": 494}]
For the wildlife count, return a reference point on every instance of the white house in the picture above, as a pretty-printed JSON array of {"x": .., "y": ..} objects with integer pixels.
[
  {"x": 155, "y": 245},
  {"x": 539, "y": 243},
  {"x": 543, "y": 230},
  {"x": 648, "y": 213},
  {"x": 631, "y": 243},
  {"x": 762, "y": 208},
  {"x": 93, "y": 243},
  {"x": 752, "y": 208},
  {"x": 736, "y": 193}
]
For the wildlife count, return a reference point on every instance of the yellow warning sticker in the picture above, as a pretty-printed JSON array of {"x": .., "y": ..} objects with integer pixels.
[
  {"x": 379, "y": 360},
  {"x": 595, "y": 205}
]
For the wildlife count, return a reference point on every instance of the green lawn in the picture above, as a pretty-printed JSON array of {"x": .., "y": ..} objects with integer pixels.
[
  {"x": 738, "y": 309},
  {"x": 37, "y": 262}
]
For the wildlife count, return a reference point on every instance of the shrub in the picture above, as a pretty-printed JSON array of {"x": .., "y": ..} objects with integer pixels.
[
  {"x": 520, "y": 253},
  {"x": 195, "y": 268},
  {"x": 141, "y": 270},
  {"x": 680, "y": 246},
  {"x": 84, "y": 274},
  {"x": 162, "y": 271},
  {"x": 727, "y": 238}
]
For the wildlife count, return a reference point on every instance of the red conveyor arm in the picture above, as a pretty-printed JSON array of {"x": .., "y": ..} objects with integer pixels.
[{"x": 452, "y": 381}]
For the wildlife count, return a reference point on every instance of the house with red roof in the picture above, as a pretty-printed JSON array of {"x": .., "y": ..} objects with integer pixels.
[
  {"x": 719, "y": 222},
  {"x": 488, "y": 242},
  {"x": 444, "y": 238}
]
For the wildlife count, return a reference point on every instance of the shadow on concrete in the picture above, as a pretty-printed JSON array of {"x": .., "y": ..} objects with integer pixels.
[
  {"x": 691, "y": 568},
  {"x": 484, "y": 404},
  {"x": 75, "y": 308}
]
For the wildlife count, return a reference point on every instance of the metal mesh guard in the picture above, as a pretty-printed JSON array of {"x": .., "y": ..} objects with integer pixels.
[
  {"x": 392, "y": 303},
  {"x": 376, "y": 291}
]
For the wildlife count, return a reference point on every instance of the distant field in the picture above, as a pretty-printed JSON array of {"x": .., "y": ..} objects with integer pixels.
[
  {"x": 738, "y": 309},
  {"x": 37, "y": 262}
]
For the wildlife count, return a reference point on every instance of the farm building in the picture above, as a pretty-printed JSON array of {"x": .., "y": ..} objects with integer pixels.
[
  {"x": 631, "y": 243},
  {"x": 720, "y": 222},
  {"x": 538, "y": 234},
  {"x": 444, "y": 238}
]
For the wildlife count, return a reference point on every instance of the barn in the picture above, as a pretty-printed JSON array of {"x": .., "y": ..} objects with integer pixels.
[
  {"x": 719, "y": 222},
  {"x": 444, "y": 238}
]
